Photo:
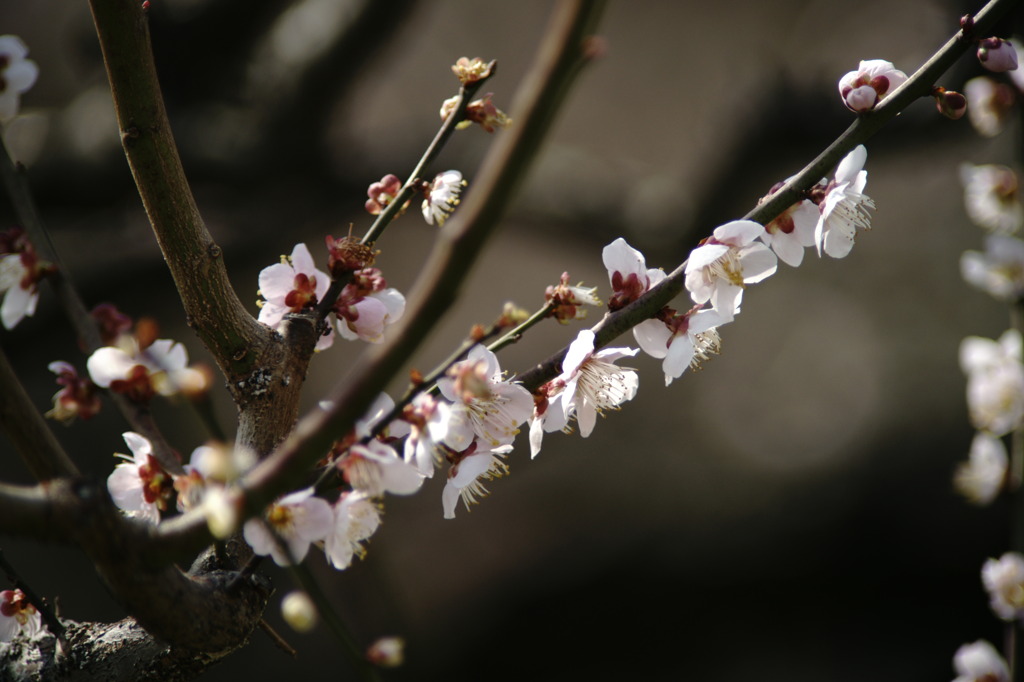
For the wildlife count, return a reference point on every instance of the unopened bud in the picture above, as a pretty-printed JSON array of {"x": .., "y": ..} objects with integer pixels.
[
  {"x": 949, "y": 103},
  {"x": 512, "y": 315},
  {"x": 299, "y": 611},
  {"x": 222, "y": 512},
  {"x": 997, "y": 55}
]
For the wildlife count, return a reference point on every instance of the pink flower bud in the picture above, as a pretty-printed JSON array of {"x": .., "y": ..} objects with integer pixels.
[
  {"x": 873, "y": 80},
  {"x": 997, "y": 55}
]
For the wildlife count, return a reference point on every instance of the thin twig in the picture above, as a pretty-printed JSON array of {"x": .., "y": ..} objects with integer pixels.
[
  {"x": 28, "y": 431},
  {"x": 16, "y": 184},
  {"x": 277, "y": 639},
  {"x": 646, "y": 306},
  {"x": 560, "y": 58}
]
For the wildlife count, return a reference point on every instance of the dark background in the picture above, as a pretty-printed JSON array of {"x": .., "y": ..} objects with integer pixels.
[{"x": 786, "y": 513}]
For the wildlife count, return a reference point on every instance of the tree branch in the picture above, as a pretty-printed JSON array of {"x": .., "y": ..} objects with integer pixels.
[
  {"x": 28, "y": 431},
  {"x": 564, "y": 50},
  {"x": 195, "y": 260},
  {"x": 919, "y": 85}
]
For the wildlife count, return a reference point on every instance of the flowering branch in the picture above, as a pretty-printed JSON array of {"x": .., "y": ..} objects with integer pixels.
[
  {"x": 867, "y": 124},
  {"x": 564, "y": 50},
  {"x": 15, "y": 183},
  {"x": 194, "y": 259}
]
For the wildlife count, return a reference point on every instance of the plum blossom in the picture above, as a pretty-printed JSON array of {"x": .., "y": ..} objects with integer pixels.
[
  {"x": 141, "y": 372},
  {"x": 567, "y": 302},
  {"x": 873, "y": 80},
  {"x": 681, "y": 340},
  {"x": 471, "y": 70},
  {"x": 213, "y": 465},
  {"x": 442, "y": 196},
  {"x": 387, "y": 652},
  {"x": 999, "y": 271},
  {"x": 1003, "y": 578},
  {"x": 792, "y": 231},
  {"x": 544, "y": 419},
  {"x": 21, "y": 270},
  {"x": 997, "y": 55},
  {"x": 299, "y": 519},
  {"x": 472, "y": 466},
  {"x": 366, "y": 306},
  {"x": 77, "y": 398},
  {"x": 483, "y": 405},
  {"x": 375, "y": 468},
  {"x": 17, "y": 75},
  {"x": 989, "y": 105},
  {"x": 139, "y": 485},
  {"x": 628, "y": 273},
  {"x": 995, "y": 382},
  {"x": 991, "y": 198},
  {"x": 428, "y": 423},
  {"x": 356, "y": 518},
  {"x": 481, "y": 111},
  {"x": 18, "y": 616},
  {"x": 591, "y": 382},
  {"x": 720, "y": 268},
  {"x": 981, "y": 478},
  {"x": 844, "y": 208},
  {"x": 291, "y": 286},
  {"x": 980, "y": 662}
]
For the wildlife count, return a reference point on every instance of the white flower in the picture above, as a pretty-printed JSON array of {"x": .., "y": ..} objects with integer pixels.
[
  {"x": 298, "y": 519},
  {"x": 874, "y": 79},
  {"x": 17, "y": 616},
  {"x": 995, "y": 382},
  {"x": 593, "y": 383},
  {"x": 428, "y": 420},
  {"x": 291, "y": 286},
  {"x": 981, "y": 478},
  {"x": 990, "y": 198},
  {"x": 844, "y": 209},
  {"x": 545, "y": 419},
  {"x": 17, "y": 75},
  {"x": 1003, "y": 578},
  {"x": 375, "y": 468},
  {"x": 628, "y": 273},
  {"x": 366, "y": 306},
  {"x": 989, "y": 104},
  {"x": 161, "y": 367},
  {"x": 483, "y": 406},
  {"x": 367, "y": 318},
  {"x": 980, "y": 662},
  {"x": 20, "y": 290},
  {"x": 356, "y": 518},
  {"x": 443, "y": 197},
  {"x": 793, "y": 231},
  {"x": 1000, "y": 270},
  {"x": 464, "y": 477},
  {"x": 139, "y": 485},
  {"x": 719, "y": 269},
  {"x": 685, "y": 341}
]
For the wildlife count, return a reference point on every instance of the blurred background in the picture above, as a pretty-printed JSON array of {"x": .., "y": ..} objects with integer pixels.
[{"x": 785, "y": 513}]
